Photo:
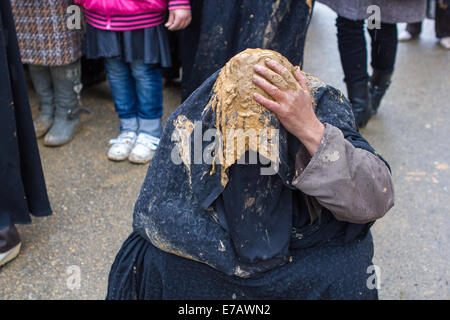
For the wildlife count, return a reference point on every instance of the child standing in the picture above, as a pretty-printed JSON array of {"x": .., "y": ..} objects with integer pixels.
[{"x": 130, "y": 36}]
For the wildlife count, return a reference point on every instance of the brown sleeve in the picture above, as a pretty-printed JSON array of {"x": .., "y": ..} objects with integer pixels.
[{"x": 354, "y": 184}]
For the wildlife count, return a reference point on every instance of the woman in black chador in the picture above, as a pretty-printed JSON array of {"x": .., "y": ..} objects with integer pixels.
[
  {"x": 283, "y": 214},
  {"x": 22, "y": 186}
]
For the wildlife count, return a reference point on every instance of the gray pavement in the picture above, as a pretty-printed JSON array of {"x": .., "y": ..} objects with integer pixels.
[{"x": 93, "y": 198}]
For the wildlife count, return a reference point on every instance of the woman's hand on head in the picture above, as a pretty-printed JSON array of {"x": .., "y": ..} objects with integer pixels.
[
  {"x": 178, "y": 19},
  {"x": 291, "y": 102}
]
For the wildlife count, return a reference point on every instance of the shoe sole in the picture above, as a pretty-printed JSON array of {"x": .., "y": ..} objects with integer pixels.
[
  {"x": 139, "y": 161},
  {"x": 77, "y": 130},
  {"x": 116, "y": 159},
  {"x": 42, "y": 134},
  {"x": 13, "y": 253}
]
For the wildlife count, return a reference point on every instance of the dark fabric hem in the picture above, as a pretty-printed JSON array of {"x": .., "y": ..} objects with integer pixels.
[{"x": 148, "y": 44}]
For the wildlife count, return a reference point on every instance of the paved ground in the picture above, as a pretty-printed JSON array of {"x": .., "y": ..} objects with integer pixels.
[{"x": 93, "y": 198}]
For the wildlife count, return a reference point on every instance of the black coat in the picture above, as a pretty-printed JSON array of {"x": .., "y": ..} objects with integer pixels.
[{"x": 22, "y": 185}]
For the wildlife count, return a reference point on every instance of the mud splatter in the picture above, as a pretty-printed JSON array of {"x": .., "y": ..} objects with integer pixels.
[
  {"x": 241, "y": 273},
  {"x": 309, "y": 4},
  {"x": 183, "y": 130},
  {"x": 331, "y": 156},
  {"x": 249, "y": 202},
  {"x": 236, "y": 109}
]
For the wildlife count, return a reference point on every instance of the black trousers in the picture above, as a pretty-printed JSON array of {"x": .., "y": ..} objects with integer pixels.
[
  {"x": 442, "y": 21},
  {"x": 353, "y": 48}
]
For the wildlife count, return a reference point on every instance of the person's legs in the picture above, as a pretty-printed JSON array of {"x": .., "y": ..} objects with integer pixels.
[
  {"x": 149, "y": 89},
  {"x": 123, "y": 90},
  {"x": 384, "y": 52},
  {"x": 442, "y": 23},
  {"x": 66, "y": 82},
  {"x": 42, "y": 82},
  {"x": 352, "y": 48},
  {"x": 414, "y": 29},
  {"x": 384, "y": 47}
]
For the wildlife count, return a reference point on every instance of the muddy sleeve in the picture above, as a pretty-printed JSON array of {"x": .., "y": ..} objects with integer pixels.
[{"x": 354, "y": 184}]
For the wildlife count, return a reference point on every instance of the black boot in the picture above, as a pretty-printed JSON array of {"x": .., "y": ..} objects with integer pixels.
[
  {"x": 9, "y": 244},
  {"x": 358, "y": 94},
  {"x": 379, "y": 83}
]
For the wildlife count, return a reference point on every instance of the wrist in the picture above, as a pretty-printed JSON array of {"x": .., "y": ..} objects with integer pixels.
[{"x": 312, "y": 136}]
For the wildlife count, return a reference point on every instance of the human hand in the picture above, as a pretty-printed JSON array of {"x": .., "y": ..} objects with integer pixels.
[
  {"x": 292, "y": 102},
  {"x": 178, "y": 19}
]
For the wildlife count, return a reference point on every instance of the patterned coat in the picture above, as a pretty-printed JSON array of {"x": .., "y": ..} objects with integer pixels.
[
  {"x": 42, "y": 31},
  {"x": 392, "y": 11}
]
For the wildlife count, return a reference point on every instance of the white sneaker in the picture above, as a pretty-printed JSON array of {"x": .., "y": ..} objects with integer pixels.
[
  {"x": 9, "y": 255},
  {"x": 122, "y": 146},
  {"x": 445, "y": 43},
  {"x": 144, "y": 149}
]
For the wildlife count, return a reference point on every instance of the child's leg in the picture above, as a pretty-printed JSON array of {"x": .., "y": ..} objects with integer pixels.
[
  {"x": 149, "y": 87},
  {"x": 148, "y": 80},
  {"x": 123, "y": 90},
  {"x": 124, "y": 93}
]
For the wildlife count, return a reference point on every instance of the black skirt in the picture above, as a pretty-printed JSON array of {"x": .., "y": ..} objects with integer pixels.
[
  {"x": 149, "y": 44},
  {"x": 142, "y": 271}
]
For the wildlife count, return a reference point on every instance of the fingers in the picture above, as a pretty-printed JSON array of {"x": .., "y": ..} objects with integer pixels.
[
  {"x": 300, "y": 78},
  {"x": 271, "y": 89},
  {"x": 269, "y": 104},
  {"x": 271, "y": 76},
  {"x": 177, "y": 22},
  {"x": 180, "y": 19},
  {"x": 187, "y": 21},
  {"x": 281, "y": 70},
  {"x": 170, "y": 21}
]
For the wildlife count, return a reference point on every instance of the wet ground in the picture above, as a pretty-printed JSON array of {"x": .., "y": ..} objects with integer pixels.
[{"x": 93, "y": 198}]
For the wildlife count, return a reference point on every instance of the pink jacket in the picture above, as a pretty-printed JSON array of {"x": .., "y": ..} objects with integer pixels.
[{"x": 120, "y": 15}]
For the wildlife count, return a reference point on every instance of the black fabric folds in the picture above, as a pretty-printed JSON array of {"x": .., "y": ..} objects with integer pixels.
[
  {"x": 220, "y": 29},
  {"x": 22, "y": 186},
  {"x": 194, "y": 216},
  {"x": 149, "y": 44}
]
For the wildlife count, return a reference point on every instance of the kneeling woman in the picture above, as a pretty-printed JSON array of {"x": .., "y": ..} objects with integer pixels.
[{"x": 283, "y": 214}]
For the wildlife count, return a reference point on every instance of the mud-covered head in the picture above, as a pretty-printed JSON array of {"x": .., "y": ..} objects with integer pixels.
[
  {"x": 236, "y": 109},
  {"x": 235, "y": 88}
]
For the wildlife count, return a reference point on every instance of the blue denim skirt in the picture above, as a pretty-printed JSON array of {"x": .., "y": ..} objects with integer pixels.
[{"x": 149, "y": 44}]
